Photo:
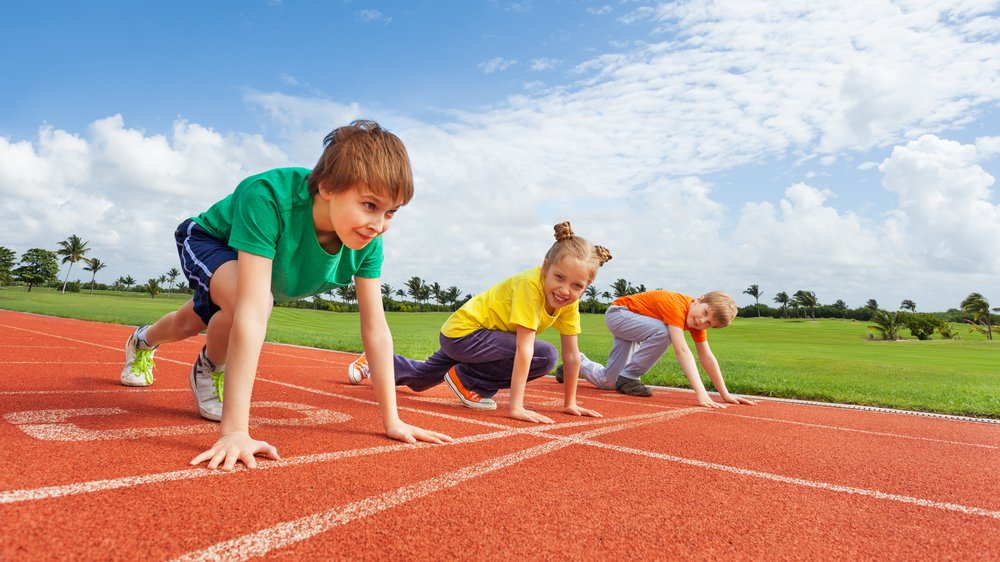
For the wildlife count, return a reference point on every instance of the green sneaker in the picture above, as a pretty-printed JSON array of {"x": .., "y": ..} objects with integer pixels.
[{"x": 139, "y": 364}]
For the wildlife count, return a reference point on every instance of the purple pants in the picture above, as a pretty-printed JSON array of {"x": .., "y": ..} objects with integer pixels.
[{"x": 484, "y": 360}]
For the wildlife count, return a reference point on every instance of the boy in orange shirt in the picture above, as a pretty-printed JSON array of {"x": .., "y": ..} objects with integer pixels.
[{"x": 645, "y": 324}]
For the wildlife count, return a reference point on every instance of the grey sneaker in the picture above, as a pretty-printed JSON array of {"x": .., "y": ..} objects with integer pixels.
[
  {"x": 139, "y": 364},
  {"x": 559, "y": 373},
  {"x": 206, "y": 383},
  {"x": 632, "y": 387}
]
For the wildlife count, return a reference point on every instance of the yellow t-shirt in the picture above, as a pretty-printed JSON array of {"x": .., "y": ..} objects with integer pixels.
[{"x": 516, "y": 301}]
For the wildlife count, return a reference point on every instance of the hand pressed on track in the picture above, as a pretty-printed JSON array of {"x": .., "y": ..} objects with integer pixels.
[{"x": 235, "y": 447}]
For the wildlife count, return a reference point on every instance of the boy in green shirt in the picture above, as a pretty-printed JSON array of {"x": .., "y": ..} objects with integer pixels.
[{"x": 284, "y": 234}]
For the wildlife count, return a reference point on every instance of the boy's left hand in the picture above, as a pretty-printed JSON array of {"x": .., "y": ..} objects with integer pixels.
[
  {"x": 407, "y": 433},
  {"x": 739, "y": 400},
  {"x": 576, "y": 410}
]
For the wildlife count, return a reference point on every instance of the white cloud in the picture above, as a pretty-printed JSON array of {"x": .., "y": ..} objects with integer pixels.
[
  {"x": 600, "y": 11},
  {"x": 496, "y": 64},
  {"x": 988, "y": 147},
  {"x": 944, "y": 200},
  {"x": 544, "y": 64},
  {"x": 373, "y": 16}
]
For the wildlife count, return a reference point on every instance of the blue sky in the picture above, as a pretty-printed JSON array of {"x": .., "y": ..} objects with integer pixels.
[{"x": 850, "y": 149}]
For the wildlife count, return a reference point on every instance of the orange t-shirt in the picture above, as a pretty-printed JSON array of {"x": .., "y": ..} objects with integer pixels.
[{"x": 667, "y": 307}]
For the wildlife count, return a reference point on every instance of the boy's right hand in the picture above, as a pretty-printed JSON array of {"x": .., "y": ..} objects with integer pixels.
[{"x": 235, "y": 447}]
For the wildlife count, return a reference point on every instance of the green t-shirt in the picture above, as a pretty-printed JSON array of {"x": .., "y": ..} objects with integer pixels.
[{"x": 270, "y": 215}]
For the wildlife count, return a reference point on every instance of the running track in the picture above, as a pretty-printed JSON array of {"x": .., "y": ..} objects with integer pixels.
[{"x": 92, "y": 470}]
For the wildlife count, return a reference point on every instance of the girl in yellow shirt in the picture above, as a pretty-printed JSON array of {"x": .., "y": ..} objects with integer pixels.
[{"x": 490, "y": 342}]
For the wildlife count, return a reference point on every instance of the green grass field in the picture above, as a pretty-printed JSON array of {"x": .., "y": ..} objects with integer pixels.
[{"x": 825, "y": 360}]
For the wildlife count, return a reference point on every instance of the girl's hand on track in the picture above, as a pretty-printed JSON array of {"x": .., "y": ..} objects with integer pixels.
[
  {"x": 411, "y": 434},
  {"x": 581, "y": 411},
  {"x": 529, "y": 416}
]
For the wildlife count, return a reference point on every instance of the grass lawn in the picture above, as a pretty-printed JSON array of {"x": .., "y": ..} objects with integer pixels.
[{"x": 825, "y": 360}]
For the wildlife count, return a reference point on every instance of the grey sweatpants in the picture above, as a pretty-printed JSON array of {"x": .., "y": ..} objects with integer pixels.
[{"x": 639, "y": 343}]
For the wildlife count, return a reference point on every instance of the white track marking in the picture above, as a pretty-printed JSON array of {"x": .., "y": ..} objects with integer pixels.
[
  {"x": 94, "y": 486},
  {"x": 863, "y": 431},
  {"x": 968, "y": 510},
  {"x": 267, "y": 540},
  {"x": 90, "y": 343},
  {"x": 122, "y": 390},
  {"x": 51, "y": 425}
]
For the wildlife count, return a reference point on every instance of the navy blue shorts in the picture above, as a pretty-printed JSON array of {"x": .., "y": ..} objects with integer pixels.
[{"x": 201, "y": 254}]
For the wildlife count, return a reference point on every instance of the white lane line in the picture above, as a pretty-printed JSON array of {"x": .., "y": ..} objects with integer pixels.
[
  {"x": 122, "y": 390},
  {"x": 119, "y": 348},
  {"x": 267, "y": 540},
  {"x": 729, "y": 412},
  {"x": 863, "y": 431},
  {"x": 922, "y": 502},
  {"x": 94, "y": 486}
]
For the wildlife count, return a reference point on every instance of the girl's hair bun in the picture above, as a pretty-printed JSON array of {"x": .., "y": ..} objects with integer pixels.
[
  {"x": 563, "y": 231},
  {"x": 603, "y": 254}
]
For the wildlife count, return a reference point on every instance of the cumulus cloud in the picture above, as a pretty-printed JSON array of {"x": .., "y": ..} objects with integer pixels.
[
  {"x": 122, "y": 190},
  {"x": 944, "y": 201}
]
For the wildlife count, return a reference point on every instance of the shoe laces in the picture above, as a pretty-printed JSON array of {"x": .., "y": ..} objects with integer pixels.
[
  {"x": 218, "y": 380},
  {"x": 142, "y": 364},
  {"x": 362, "y": 367}
]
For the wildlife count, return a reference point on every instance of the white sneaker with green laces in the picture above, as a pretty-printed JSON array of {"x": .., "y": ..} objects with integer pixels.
[
  {"x": 207, "y": 382},
  {"x": 138, "y": 370}
]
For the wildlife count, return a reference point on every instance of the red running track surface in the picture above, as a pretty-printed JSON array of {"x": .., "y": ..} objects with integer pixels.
[{"x": 96, "y": 471}]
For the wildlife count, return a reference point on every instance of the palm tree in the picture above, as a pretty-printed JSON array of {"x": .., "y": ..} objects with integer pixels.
[
  {"x": 153, "y": 288},
  {"x": 979, "y": 307},
  {"x": 451, "y": 295},
  {"x": 782, "y": 299},
  {"x": 755, "y": 292},
  {"x": 129, "y": 281},
  {"x": 872, "y": 304},
  {"x": 73, "y": 249},
  {"x": 907, "y": 304},
  {"x": 400, "y": 293},
  {"x": 621, "y": 288},
  {"x": 887, "y": 324},
  {"x": 387, "y": 290},
  {"x": 414, "y": 286},
  {"x": 172, "y": 278},
  {"x": 93, "y": 265},
  {"x": 806, "y": 299}
]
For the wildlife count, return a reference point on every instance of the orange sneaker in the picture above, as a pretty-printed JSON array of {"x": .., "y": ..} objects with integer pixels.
[
  {"x": 358, "y": 370},
  {"x": 469, "y": 399}
]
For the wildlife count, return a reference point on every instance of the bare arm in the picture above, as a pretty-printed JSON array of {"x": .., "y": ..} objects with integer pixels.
[
  {"x": 377, "y": 341},
  {"x": 519, "y": 377},
  {"x": 571, "y": 373},
  {"x": 686, "y": 360},
  {"x": 251, "y": 310},
  {"x": 711, "y": 366}
]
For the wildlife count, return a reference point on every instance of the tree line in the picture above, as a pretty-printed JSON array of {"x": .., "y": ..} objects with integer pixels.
[
  {"x": 973, "y": 310},
  {"x": 40, "y": 267}
]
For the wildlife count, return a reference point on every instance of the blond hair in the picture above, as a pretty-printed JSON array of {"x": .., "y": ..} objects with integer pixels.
[
  {"x": 363, "y": 152},
  {"x": 721, "y": 307},
  {"x": 569, "y": 245}
]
